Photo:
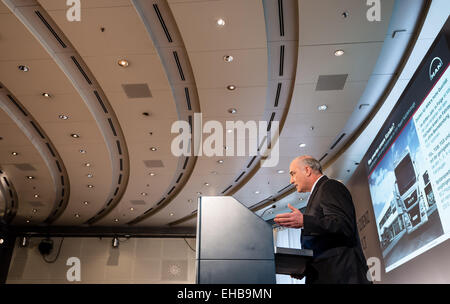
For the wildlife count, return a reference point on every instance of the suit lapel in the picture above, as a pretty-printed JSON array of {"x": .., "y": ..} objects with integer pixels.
[{"x": 316, "y": 189}]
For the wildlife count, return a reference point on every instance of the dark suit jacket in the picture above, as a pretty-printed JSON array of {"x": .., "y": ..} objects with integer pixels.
[{"x": 330, "y": 231}]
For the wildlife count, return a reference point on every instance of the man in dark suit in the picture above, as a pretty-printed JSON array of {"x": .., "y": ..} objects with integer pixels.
[{"x": 329, "y": 226}]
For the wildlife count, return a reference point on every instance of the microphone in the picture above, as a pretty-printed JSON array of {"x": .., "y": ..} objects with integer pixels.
[{"x": 271, "y": 207}]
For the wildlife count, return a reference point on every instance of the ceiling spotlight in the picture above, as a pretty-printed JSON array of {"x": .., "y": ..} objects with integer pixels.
[
  {"x": 46, "y": 95},
  {"x": 171, "y": 214},
  {"x": 207, "y": 184},
  {"x": 153, "y": 149},
  {"x": 23, "y": 242},
  {"x": 30, "y": 177},
  {"x": 152, "y": 174},
  {"x": 123, "y": 63},
  {"x": 90, "y": 186},
  {"x": 232, "y": 111},
  {"x": 87, "y": 164},
  {"x": 322, "y": 107},
  {"x": 36, "y": 195},
  {"x": 345, "y": 14},
  {"x": 23, "y": 68},
  {"x": 257, "y": 192},
  {"x": 86, "y": 203},
  {"x": 220, "y": 161},
  {"x": 338, "y": 53},
  {"x": 83, "y": 151},
  {"x": 144, "y": 193},
  {"x": 231, "y": 87},
  {"x": 228, "y": 58},
  {"x": 229, "y": 130},
  {"x": 116, "y": 220},
  {"x": 75, "y": 135},
  {"x": 131, "y": 209},
  {"x": 64, "y": 117},
  {"x": 220, "y": 22},
  {"x": 28, "y": 221},
  {"x": 280, "y": 171},
  {"x": 35, "y": 211},
  {"x": 14, "y": 153},
  {"x": 189, "y": 201},
  {"x": 302, "y": 145},
  {"x": 90, "y": 175},
  {"x": 77, "y": 215}
]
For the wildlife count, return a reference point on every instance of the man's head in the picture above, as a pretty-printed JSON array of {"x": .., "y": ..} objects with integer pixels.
[{"x": 304, "y": 171}]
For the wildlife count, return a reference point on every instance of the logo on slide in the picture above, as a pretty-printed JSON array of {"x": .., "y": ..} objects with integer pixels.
[{"x": 435, "y": 66}]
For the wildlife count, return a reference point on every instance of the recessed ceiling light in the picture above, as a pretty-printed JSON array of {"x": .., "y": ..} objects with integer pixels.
[
  {"x": 36, "y": 195},
  {"x": 86, "y": 203},
  {"x": 232, "y": 111},
  {"x": 46, "y": 95},
  {"x": 338, "y": 53},
  {"x": 64, "y": 117},
  {"x": 144, "y": 193},
  {"x": 75, "y": 135},
  {"x": 171, "y": 214},
  {"x": 302, "y": 145},
  {"x": 322, "y": 107},
  {"x": 83, "y": 151},
  {"x": 257, "y": 192},
  {"x": 345, "y": 14},
  {"x": 280, "y": 171},
  {"x": 28, "y": 221},
  {"x": 15, "y": 153},
  {"x": 153, "y": 149},
  {"x": 190, "y": 201},
  {"x": 231, "y": 87},
  {"x": 77, "y": 215},
  {"x": 30, "y": 177},
  {"x": 152, "y": 174},
  {"x": 90, "y": 186},
  {"x": 220, "y": 161},
  {"x": 131, "y": 209},
  {"x": 123, "y": 63},
  {"x": 35, "y": 211},
  {"x": 87, "y": 164},
  {"x": 206, "y": 184},
  {"x": 229, "y": 130},
  {"x": 90, "y": 175},
  {"x": 199, "y": 193},
  {"x": 220, "y": 22},
  {"x": 228, "y": 58},
  {"x": 23, "y": 68},
  {"x": 116, "y": 220}
]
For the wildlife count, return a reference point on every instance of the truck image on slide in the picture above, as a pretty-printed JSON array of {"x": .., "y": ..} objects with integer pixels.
[{"x": 409, "y": 194}]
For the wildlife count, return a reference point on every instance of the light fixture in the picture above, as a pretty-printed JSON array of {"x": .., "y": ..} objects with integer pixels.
[
  {"x": 322, "y": 107},
  {"x": 23, "y": 242},
  {"x": 14, "y": 153},
  {"x": 35, "y": 211},
  {"x": 77, "y": 215},
  {"x": 280, "y": 171},
  {"x": 207, "y": 184},
  {"x": 232, "y": 111},
  {"x": 86, "y": 203},
  {"x": 345, "y": 14},
  {"x": 131, "y": 209},
  {"x": 123, "y": 63},
  {"x": 189, "y": 201},
  {"x": 115, "y": 242},
  {"x": 144, "y": 193},
  {"x": 228, "y": 58},
  {"x": 36, "y": 195},
  {"x": 23, "y": 68},
  {"x": 229, "y": 130},
  {"x": 63, "y": 117},
  {"x": 74, "y": 135},
  {"x": 83, "y": 151},
  {"x": 171, "y": 214},
  {"x": 152, "y": 174},
  {"x": 46, "y": 95},
  {"x": 220, "y": 161},
  {"x": 87, "y": 164},
  {"x": 231, "y": 87},
  {"x": 1, "y": 241},
  {"x": 90, "y": 175},
  {"x": 28, "y": 221},
  {"x": 220, "y": 22},
  {"x": 257, "y": 192},
  {"x": 199, "y": 193},
  {"x": 302, "y": 145},
  {"x": 338, "y": 53},
  {"x": 90, "y": 186},
  {"x": 30, "y": 177},
  {"x": 153, "y": 149},
  {"x": 116, "y": 220}
]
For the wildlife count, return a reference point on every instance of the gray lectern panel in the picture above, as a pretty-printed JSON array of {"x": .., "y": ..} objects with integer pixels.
[
  {"x": 229, "y": 230},
  {"x": 236, "y": 272}
]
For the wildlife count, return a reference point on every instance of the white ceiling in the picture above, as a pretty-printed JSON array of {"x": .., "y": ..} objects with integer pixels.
[{"x": 321, "y": 30}]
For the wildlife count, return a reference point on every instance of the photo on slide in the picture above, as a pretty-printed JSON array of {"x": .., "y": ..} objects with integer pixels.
[{"x": 403, "y": 200}]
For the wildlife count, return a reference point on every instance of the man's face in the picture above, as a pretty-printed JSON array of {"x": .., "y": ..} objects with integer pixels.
[{"x": 298, "y": 175}]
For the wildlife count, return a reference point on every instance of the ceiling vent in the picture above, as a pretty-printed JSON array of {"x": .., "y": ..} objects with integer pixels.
[
  {"x": 331, "y": 82},
  {"x": 154, "y": 163},
  {"x": 25, "y": 167},
  {"x": 138, "y": 90}
]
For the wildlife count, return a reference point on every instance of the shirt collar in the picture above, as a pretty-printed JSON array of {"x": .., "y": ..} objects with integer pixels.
[{"x": 312, "y": 189}]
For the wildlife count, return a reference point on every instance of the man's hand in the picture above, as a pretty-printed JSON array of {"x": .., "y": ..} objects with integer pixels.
[{"x": 292, "y": 219}]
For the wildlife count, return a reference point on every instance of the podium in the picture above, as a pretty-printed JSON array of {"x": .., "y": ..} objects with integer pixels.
[{"x": 235, "y": 246}]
